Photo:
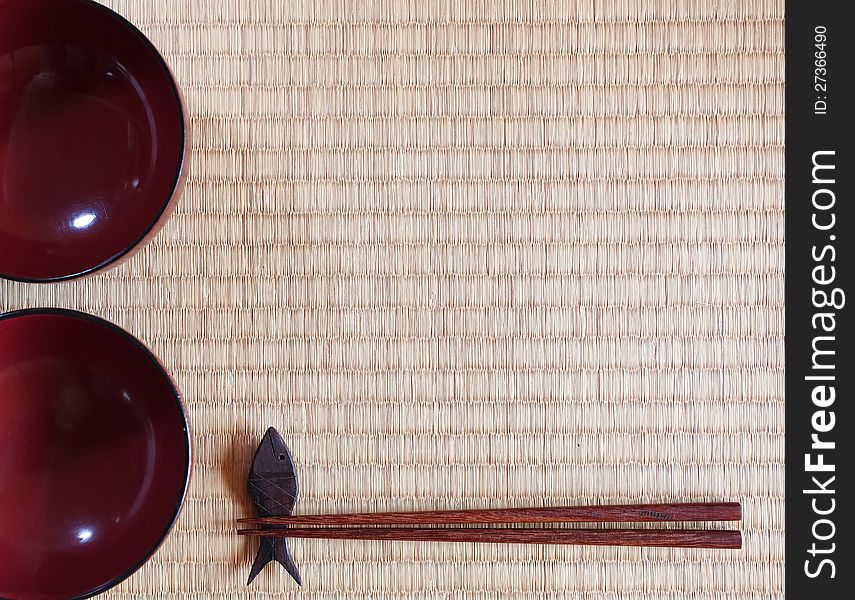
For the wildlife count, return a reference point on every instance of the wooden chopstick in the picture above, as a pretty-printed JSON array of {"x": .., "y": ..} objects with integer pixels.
[
  {"x": 672, "y": 538},
  {"x": 621, "y": 513}
]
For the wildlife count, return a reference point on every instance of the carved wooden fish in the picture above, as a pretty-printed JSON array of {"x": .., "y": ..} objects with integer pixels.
[{"x": 273, "y": 487}]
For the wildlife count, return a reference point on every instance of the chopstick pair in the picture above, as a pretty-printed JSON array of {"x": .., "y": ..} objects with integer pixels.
[
  {"x": 273, "y": 487},
  {"x": 381, "y": 526}
]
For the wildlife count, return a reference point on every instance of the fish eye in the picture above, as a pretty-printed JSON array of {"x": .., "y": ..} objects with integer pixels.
[{"x": 281, "y": 457}]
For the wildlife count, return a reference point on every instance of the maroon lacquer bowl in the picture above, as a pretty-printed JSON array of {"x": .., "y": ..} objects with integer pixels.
[
  {"x": 94, "y": 455},
  {"x": 93, "y": 139}
]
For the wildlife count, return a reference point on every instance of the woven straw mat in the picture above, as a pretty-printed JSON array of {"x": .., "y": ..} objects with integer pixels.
[{"x": 469, "y": 254}]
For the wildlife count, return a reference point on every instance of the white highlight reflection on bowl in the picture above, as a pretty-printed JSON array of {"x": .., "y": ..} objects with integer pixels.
[
  {"x": 84, "y": 535},
  {"x": 83, "y": 220}
]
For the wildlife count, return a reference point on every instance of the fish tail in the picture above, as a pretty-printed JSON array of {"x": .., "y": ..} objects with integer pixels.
[{"x": 274, "y": 548}]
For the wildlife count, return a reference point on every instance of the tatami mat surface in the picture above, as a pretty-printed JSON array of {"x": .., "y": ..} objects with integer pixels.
[{"x": 470, "y": 254}]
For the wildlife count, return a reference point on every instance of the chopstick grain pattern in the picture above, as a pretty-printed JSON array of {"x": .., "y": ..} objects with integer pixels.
[
  {"x": 671, "y": 538},
  {"x": 721, "y": 511}
]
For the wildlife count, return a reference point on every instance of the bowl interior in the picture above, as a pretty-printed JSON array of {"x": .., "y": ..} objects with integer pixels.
[
  {"x": 94, "y": 455},
  {"x": 91, "y": 138}
]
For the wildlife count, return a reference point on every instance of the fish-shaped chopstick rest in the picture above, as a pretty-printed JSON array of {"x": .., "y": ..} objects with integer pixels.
[{"x": 273, "y": 487}]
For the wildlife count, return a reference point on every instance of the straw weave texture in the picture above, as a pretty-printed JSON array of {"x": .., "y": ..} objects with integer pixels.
[{"x": 470, "y": 254}]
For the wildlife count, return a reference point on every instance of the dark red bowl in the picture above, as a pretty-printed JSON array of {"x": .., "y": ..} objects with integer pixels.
[
  {"x": 93, "y": 142},
  {"x": 94, "y": 455}
]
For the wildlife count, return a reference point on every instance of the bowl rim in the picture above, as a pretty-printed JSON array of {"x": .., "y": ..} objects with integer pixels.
[
  {"x": 176, "y": 396},
  {"x": 128, "y": 249}
]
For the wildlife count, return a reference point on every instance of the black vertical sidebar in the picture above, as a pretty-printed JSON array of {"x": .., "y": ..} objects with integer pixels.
[{"x": 820, "y": 351}]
